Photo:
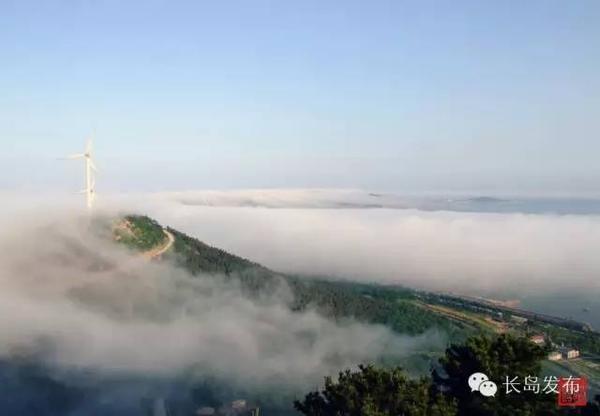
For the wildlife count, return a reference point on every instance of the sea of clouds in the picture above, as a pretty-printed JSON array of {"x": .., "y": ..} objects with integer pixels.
[
  {"x": 78, "y": 300},
  {"x": 363, "y": 236}
]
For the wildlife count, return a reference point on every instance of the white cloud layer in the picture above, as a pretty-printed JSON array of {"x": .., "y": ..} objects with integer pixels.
[
  {"x": 82, "y": 302},
  {"x": 464, "y": 252},
  {"x": 126, "y": 315}
]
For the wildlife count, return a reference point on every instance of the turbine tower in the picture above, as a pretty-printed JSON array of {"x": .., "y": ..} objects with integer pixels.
[{"x": 90, "y": 170}]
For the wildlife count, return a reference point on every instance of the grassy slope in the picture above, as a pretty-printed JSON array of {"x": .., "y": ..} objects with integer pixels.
[{"x": 139, "y": 232}]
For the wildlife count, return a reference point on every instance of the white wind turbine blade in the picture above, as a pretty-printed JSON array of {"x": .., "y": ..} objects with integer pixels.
[
  {"x": 89, "y": 172},
  {"x": 76, "y": 156}
]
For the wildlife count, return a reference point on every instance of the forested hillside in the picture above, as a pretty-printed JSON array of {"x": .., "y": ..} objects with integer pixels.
[{"x": 392, "y": 306}]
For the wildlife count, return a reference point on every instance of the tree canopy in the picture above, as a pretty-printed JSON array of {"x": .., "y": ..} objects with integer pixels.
[{"x": 372, "y": 391}]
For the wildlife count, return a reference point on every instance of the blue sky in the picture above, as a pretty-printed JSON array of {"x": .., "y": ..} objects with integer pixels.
[{"x": 409, "y": 96}]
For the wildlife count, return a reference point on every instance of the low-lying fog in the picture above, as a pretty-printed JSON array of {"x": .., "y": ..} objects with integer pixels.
[
  {"x": 365, "y": 236},
  {"x": 134, "y": 319},
  {"x": 80, "y": 302}
]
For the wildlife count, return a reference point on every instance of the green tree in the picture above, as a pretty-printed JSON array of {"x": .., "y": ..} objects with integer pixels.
[
  {"x": 497, "y": 357},
  {"x": 372, "y": 391}
]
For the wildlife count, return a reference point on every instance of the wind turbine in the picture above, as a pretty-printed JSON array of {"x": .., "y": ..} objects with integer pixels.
[{"x": 90, "y": 170}]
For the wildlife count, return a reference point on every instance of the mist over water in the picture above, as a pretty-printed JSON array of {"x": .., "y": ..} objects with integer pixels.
[
  {"x": 497, "y": 247},
  {"x": 358, "y": 199},
  {"x": 580, "y": 305}
]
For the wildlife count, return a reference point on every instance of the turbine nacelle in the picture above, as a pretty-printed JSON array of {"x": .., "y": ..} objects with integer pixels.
[{"x": 90, "y": 169}]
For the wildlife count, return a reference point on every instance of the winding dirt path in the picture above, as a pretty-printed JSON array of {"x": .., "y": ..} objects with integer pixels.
[{"x": 160, "y": 250}]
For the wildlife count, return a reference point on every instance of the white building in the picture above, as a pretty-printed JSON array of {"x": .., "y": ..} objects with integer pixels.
[
  {"x": 555, "y": 356},
  {"x": 570, "y": 353}
]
